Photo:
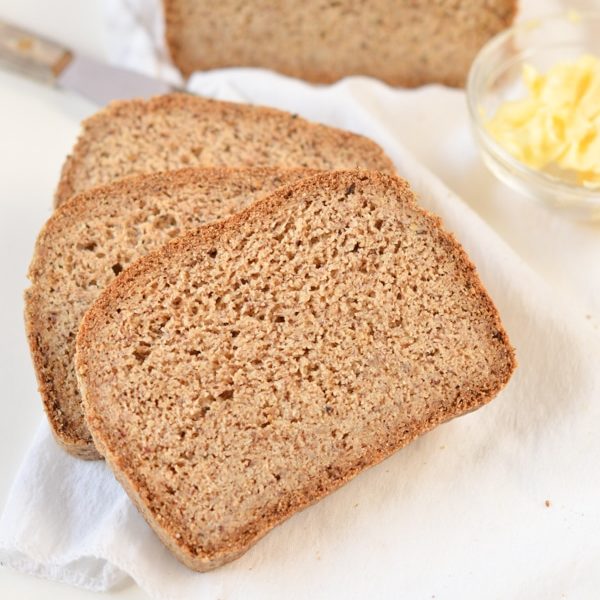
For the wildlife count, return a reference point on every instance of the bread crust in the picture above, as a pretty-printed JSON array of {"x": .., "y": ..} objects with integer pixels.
[
  {"x": 220, "y": 112},
  {"x": 213, "y": 235}
]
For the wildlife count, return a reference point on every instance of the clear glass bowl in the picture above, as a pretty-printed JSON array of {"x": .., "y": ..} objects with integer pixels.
[{"x": 496, "y": 77}]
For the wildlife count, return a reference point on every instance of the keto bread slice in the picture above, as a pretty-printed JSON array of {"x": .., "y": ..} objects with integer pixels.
[
  {"x": 90, "y": 239},
  {"x": 249, "y": 368},
  {"x": 402, "y": 42},
  {"x": 180, "y": 130}
]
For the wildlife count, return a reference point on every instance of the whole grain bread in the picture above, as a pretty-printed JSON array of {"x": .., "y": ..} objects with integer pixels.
[
  {"x": 249, "y": 368},
  {"x": 402, "y": 42},
  {"x": 90, "y": 239},
  {"x": 180, "y": 130}
]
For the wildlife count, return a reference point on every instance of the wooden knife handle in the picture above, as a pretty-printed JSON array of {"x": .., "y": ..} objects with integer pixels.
[{"x": 31, "y": 55}]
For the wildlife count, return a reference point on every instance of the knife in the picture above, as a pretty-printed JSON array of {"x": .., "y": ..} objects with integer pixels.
[{"x": 46, "y": 61}]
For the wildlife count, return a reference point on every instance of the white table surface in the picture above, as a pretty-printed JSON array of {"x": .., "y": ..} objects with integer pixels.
[{"x": 38, "y": 126}]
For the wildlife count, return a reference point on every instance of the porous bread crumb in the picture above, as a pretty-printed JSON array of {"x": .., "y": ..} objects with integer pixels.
[
  {"x": 181, "y": 130},
  {"x": 248, "y": 368},
  {"x": 91, "y": 239},
  {"x": 402, "y": 42}
]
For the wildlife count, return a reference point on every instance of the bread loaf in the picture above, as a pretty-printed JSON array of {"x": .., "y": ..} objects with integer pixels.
[
  {"x": 90, "y": 239},
  {"x": 402, "y": 42},
  {"x": 252, "y": 366},
  {"x": 180, "y": 130}
]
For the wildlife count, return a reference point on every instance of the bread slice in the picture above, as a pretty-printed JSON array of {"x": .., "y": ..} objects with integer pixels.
[
  {"x": 249, "y": 368},
  {"x": 180, "y": 130},
  {"x": 405, "y": 43},
  {"x": 94, "y": 236}
]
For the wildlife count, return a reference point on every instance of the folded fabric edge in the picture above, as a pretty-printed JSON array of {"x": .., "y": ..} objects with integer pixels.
[{"x": 90, "y": 572}]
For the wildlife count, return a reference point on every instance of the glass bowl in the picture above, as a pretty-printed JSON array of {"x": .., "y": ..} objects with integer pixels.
[{"x": 496, "y": 77}]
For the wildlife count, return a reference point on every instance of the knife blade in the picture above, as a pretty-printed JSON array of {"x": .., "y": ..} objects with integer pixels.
[{"x": 44, "y": 60}]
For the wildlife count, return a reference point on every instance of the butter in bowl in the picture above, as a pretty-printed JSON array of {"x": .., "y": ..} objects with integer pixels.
[{"x": 534, "y": 101}]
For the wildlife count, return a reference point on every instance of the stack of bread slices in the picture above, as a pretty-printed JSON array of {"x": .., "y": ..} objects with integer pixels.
[{"x": 241, "y": 310}]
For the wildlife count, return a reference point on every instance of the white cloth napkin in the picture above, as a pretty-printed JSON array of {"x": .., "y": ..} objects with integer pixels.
[{"x": 501, "y": 503}]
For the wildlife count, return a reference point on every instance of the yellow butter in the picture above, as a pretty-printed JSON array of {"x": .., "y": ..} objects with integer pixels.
[{"x": 558, "y": 123}]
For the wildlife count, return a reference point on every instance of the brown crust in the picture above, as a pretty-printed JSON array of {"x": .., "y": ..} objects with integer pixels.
[
  {"x": 174, "y": 20},
  {"x": 73, "y": 445},
  {"x": 78, "y": 207},
  {"x": 208, "y": 236},
  {"x": 199, "y": 106}
]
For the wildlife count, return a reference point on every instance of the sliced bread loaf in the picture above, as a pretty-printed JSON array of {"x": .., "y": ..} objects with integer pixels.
[
  {"x": 90, "y": 239},
  {"x": 180, "y": 130},
  {"x": 247, "y": 369},
  {"x": 403, "y": 42}
]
